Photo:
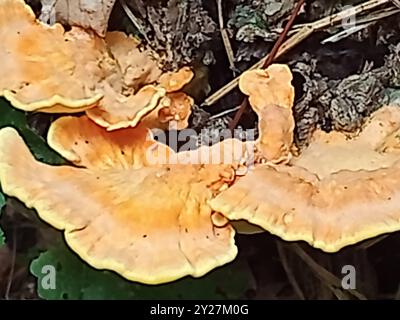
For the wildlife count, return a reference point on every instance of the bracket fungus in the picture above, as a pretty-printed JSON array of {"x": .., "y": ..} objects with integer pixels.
[
  {"x": 41, "y": 64},
  {"x": 133, "y": 205},
  {"x": 51, "y": 70},
  {"x": 338, "y": 192},
  {"x": 151, "y": 223}
]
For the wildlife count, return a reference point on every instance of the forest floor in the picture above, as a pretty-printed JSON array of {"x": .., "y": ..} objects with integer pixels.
[{"x": 221, "y": 39}]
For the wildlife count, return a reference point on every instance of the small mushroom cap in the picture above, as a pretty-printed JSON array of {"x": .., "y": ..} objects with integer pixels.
[
  {"x": 175, "y": 81},
  {"x": 149, "y": 223},
  {"x": 173, "y": 110},
  {"x": 342, "y": 192},
  {"x": 271, "y": 96},
  {"x": 271, "y": 86}
]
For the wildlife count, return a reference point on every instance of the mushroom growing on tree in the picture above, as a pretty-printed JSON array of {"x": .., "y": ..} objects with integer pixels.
[
  {"x": 121, "y": 210},
  {"x": 133, "y": 205},
  {"x": 338, "y": 192}
]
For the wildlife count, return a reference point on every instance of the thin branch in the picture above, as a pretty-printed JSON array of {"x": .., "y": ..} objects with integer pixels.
[
  {"x": 330, "y": 279},
  {"x": 348, "y": 13},
  {"x": 396, "y": 3},
  {"x": 362, "y": 23},
  {"x": 13, "y": 258},
  {"x": 224, "y": 113},
  {"x": 397, "y": 295},
  {"x": 346, "y": 33},
  {"x": 289, "y": 273},
  {"x": 134, "y": 20},
  {"x": 369, "y": 243},
  {"x": 225, "y": 38}
]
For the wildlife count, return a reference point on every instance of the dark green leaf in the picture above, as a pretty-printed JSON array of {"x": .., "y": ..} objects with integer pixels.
[
  {"x": 246, "y": 15},
  {"x": 10, "y": 117},
  {"x": 76, "y": 280}
]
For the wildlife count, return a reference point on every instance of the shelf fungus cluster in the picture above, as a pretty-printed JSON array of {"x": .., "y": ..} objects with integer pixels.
[
  {"x": 339, "y": 191},
  {"x": 113, "y": 79},
  {"x": 131, "y": 204}
]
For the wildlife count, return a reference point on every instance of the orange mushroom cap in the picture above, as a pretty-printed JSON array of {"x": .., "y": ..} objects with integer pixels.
[
  {"x": 271, "y": 86},
  {"x": 271, "y": 95},
  {"x": 338, "y": 192},
  {"x": 140, "y": 69},
  {"x": 149, "y": 222},
  {"x": 175, "y": 81},
  {"x": 41, "y": 66},
  {"x": 175, "y": 107},
  {"x": 51, "y": 70},
  {"x": 128, "y": 111},
  {"x": 341, "y": 190},
  {"x": 173, "y": 110}
]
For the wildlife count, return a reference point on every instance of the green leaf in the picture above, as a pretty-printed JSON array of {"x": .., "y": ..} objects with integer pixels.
[
  {"x": 2, "y": 204},
  {"x": 392, "y": 96},
  {"x": 246, "y": 15},
  {"x": 76, "y": 280},
  {"x": 10, "y": 117}
]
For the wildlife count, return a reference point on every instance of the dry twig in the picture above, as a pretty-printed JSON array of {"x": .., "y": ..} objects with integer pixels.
[
  {"x": 12, "y": 269},
  {"x": 291, "y": 278},
  {"x": 225, "y": 38},
  {"x": 324, "y": 275},
  {"x": 134, "y": 20}
]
